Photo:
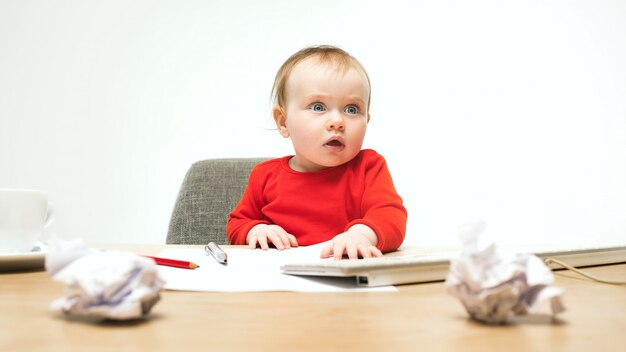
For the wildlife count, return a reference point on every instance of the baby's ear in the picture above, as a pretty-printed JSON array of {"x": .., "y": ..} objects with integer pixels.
[{"x": 281, "y": 121}]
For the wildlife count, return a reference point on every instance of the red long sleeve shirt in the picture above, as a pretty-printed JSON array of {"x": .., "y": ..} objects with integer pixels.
[{"x": 317, "y": 206}]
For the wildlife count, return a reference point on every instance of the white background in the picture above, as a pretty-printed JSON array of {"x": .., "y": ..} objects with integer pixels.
[{"x": 513, "y": 112}]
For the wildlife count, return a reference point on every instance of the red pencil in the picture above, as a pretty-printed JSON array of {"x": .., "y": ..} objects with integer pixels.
[{"x": 173, "y": 262}]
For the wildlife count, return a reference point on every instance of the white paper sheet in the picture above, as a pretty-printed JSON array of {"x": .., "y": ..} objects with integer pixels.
[{"x": 250, "y": 271}]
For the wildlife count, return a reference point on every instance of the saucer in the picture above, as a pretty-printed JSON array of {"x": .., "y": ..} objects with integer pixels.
[{"x": 23, "y": 261}]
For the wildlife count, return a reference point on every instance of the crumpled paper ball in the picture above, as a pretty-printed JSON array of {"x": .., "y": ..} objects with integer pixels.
[
  {"x": 105, "y": 284},
  {"x": 492, "y": 285}
]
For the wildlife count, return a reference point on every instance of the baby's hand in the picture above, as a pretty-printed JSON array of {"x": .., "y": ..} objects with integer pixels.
[
  {"x": 261, "y": 233},
  {"x": 359, "y": 241}
]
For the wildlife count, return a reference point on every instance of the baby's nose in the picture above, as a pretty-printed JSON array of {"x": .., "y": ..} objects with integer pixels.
[{"x": 335, "y": 122}]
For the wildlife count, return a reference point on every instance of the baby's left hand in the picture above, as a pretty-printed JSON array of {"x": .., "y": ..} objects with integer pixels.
[{"x": 359, "y": 241}]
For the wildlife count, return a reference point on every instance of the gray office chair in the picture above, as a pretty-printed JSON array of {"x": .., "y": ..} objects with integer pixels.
[{"x": 210, "y": 191}]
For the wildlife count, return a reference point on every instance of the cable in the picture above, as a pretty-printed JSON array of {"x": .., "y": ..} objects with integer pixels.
[{"x": 549, "y": 261}]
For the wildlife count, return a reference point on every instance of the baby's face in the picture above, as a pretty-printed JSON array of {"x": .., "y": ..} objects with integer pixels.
[{"x": 325, "y": 114}]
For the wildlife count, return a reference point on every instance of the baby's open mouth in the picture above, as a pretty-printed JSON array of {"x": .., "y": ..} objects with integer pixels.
[{"x": 334, "y": 143}]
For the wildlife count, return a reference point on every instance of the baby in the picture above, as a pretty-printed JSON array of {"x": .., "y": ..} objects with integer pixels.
[{"x": 330, "y": 190}]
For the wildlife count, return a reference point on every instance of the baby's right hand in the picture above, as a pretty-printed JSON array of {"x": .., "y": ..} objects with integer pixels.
[{"x": 261, "y": 233}]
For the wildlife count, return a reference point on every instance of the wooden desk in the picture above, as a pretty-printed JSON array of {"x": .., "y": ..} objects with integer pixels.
[{"x": 417, "y": 318}]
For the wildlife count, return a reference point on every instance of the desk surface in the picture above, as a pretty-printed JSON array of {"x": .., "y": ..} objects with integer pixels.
[{"x": 417, "y": 318}]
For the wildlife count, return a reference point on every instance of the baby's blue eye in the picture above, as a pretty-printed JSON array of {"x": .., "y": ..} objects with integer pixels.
[
  {"x": 318, "y": 107},
  {"x": 351, "y": 109}
]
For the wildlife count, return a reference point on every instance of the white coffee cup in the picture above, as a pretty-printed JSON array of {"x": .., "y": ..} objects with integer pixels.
[{"x": 23, "y": 216}]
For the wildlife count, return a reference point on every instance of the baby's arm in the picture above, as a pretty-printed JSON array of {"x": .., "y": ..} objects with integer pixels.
[
  {"x": 359, "y": 241},
  {"x": 261, "y": 233}
]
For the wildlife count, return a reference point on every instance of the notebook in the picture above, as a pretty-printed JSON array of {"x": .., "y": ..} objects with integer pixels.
[{"x": 428, "y": 267}]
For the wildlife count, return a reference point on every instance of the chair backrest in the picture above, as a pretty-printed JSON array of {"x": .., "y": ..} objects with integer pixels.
[{"x": 210, "y": 191}]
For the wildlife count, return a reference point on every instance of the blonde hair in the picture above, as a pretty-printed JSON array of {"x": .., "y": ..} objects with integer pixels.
[{"x": 325, "y": 54}]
